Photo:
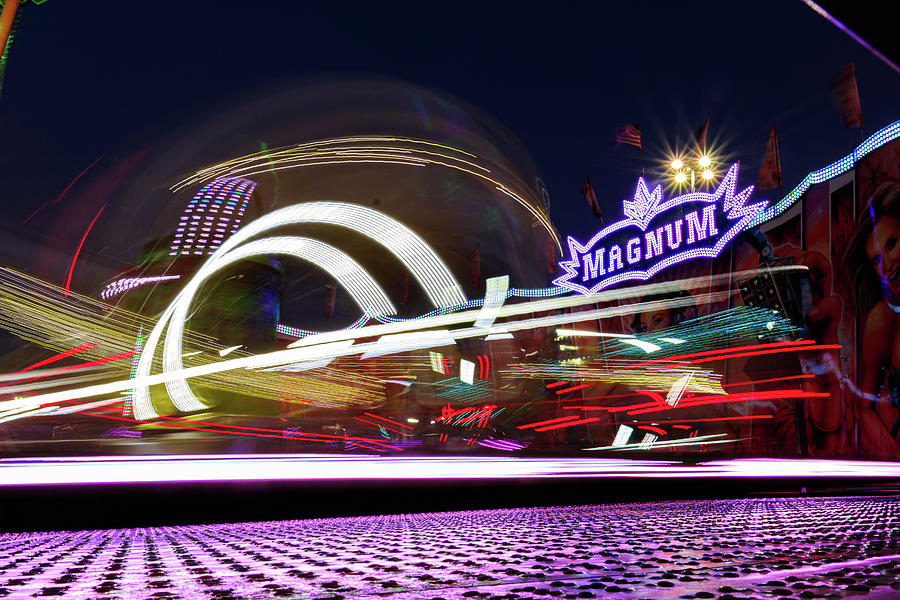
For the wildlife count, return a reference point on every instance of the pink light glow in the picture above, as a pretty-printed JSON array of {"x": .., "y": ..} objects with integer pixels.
[{"x": 308, "y": 467}]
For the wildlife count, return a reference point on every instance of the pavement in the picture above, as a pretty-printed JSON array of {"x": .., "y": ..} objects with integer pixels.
[{"x": 825, "y": 547}]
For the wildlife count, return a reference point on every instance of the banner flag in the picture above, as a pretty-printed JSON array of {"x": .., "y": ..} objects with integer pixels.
[
  {"x": 700, "y": 135},
  {"x": 332, "y": 296},
  {"x": 588, "y": 192},
  {"x": 769, "y": 176},
  {"x": 845, "y": 96}
]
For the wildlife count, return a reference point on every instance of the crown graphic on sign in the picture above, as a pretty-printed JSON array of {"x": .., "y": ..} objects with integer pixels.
[{"x": 657, "y": 234}]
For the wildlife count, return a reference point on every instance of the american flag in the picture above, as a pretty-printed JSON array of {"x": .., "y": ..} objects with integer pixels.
[{"x": 628, "y": 134}]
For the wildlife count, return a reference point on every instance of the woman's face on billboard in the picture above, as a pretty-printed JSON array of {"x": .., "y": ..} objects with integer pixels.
[
  {"x": 653, "y": 321},
  {"x": 883, "y": 250}
]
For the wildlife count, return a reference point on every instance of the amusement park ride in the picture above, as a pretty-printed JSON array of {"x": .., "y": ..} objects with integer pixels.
[{"x": 522, "y": 372}]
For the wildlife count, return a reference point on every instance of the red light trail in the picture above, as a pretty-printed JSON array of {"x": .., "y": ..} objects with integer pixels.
[
  {"x": 388, "y": 420},
  {"x": 772, "y": 380},
  {"x": 677, "y": 358},
  {"x": 548, "y": 421},
  {"x": 717, "y": 399},
  {"x": 60, "y": 356},
  {"x": 92, "y": 363},
  {"x": 64, "y": 192},
  {"x": 753, "y": 353},
  {"x": 573, "y": 388},
  {"x": 379, "y": 425},
  {"x": 568, "y": 423},
  {"x": 78, "y": 250}
]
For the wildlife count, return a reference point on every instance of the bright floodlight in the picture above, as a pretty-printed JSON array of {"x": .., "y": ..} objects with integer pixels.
[
  {"x": 680, "y": 177},
  {"x": 677, "y": 164},
  {"x": 705, "y": 162},
  {"x": 707, "y": 174}
]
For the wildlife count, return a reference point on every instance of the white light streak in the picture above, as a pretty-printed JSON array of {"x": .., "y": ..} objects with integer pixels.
[
  {"x": 422, "y": 262},
  {"x": 647, "y": 441},
  {"x": 315, "y": 348},
  {"x": 467, "y": 371},
  {"x": 645, "y": 346},
  {"x": 677, "y": 389},
  {"x": 585, "y": 333},
  {"x": 494, "y": 297},
  {"x": 622, "y": 436},
  {"x": 324, "y": 351}
]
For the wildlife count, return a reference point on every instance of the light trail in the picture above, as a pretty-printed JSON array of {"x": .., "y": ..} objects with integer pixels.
[
  {"x": 60, "y": 356},
  {"x": 64, "y": 192},
  {"x": 318, "y": 467},
  {"x": 678, "y": 358},
  {"x": 805, "y": 348},
  {"x": 376, "y": 149},
  {"x": 547, "y": 422},
  {"x": 419, "y": 259},
  {"x": 314, "y": 347},
  {"x": 332, "y": 350},
  {"x": 368, "y": 414},
  {"x": 771, "y": 380},
  {"x": 70, "y": 368},
  {"x": 78, "y": 251},
  {"x": 769, "y": 395},
  {"x": 568, "y": 424}
]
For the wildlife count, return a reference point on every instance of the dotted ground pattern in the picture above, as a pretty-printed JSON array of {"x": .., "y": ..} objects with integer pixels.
[{"x": 727, "y": 549}]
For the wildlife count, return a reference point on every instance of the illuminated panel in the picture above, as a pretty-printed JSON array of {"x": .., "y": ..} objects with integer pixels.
[
  {"x": 214, "y": 213},
  {"x": 622, "y": 435},
  {"x": 630, "y": 249},
  {"x": 657, "y": 234},
  {"x": 297, "y": 332},
  {"x": 119, "y": 286},
  {"x": 467, "y": 371}
]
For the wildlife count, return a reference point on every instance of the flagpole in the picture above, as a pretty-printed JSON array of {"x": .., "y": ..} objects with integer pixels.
[
  {"x": 778, "y": 163},
  {"x": 641, "y": 147}
]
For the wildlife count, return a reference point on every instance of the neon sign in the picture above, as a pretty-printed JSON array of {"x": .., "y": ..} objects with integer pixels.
[{"x": 657, "y": 234}]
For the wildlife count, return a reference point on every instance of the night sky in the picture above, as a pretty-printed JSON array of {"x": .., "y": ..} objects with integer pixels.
[{"x": 90, "y": 78}]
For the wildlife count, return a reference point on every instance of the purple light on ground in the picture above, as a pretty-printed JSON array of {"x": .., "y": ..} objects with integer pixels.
[{"x": 763, "y": 548}]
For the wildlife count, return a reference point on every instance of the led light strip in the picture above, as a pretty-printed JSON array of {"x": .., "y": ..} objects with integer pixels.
[
  {"x": 222, "y": 203},
  {"x": 873, "y": 142},
  {"x": 123, "y": 285}
]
